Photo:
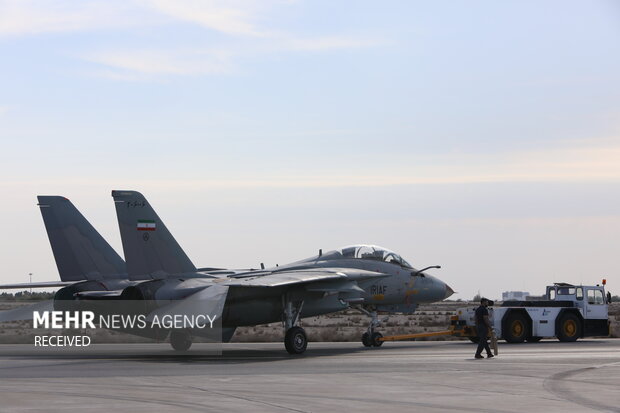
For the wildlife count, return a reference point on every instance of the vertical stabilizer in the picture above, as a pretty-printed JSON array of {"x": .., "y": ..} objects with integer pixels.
[
  {"x": 79, "y": 250},
  {"x": 150, "y": 250}
]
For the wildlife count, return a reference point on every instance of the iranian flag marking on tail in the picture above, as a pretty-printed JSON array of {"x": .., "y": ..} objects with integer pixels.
[{"x": 145, "y": 225}]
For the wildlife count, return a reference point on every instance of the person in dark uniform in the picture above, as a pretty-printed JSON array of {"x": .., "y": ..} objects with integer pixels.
[{"x": 482, "y": 328}]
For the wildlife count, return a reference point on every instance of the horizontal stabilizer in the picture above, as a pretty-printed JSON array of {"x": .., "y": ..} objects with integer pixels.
[
  {"x": 26, "y": 312},
  {"x": 43, "y": 284}
]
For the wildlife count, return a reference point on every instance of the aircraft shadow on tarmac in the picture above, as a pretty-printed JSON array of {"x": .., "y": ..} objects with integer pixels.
[
  {"x": 227, "y": 356},
  {"x": 259, "y": 352},
  {"x": 251, "y": 352}
]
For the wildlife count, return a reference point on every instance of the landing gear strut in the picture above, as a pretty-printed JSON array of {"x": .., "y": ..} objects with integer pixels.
[
  {"x": 371, "y": 337},
  {"x": 180, "y": 340},
  {"x": 295, "y": 340}
]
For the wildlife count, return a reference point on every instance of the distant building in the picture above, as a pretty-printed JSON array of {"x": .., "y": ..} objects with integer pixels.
[{"x": 514, "y": 295}]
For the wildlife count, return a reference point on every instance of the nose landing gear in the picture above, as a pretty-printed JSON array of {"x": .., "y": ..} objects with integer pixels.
[{"x": 371, "y": 337}]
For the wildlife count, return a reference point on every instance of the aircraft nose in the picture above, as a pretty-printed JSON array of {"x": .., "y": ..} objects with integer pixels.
[{"x": 449, "y": 292}]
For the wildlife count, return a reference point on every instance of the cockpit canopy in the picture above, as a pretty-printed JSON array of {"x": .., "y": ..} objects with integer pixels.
[{"x": 367, "y": 252}]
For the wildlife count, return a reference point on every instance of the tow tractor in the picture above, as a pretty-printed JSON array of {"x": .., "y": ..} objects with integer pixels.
[{"x": 568, "y": 312}]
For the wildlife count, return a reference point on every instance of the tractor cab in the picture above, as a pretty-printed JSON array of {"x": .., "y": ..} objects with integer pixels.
[{"x": 589, "y": 299}]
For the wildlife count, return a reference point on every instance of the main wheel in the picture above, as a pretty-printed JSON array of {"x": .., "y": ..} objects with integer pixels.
[
  {"x": 180, "y": 340},
  {"x": 295, "y": 340},
  {"x": 517, "y": 328},
  {"x": 366, "y": 340},
  {"x": 533, "y": 339},
  {"x": 374, "y": 339},
  {"x": 569, "y": 328}
]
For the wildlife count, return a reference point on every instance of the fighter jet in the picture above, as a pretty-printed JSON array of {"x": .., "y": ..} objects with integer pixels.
[
  {"x": 369, "y": 278},
  {"x": 366, "y": 277}
]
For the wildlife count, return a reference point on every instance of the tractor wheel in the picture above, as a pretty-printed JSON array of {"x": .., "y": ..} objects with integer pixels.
[
  {"x": 569, "y": 328},
  {"x": 517, "y": 328}
]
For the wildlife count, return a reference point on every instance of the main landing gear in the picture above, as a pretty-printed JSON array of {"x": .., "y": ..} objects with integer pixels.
[
  {"x": 180, "y": 340},
  {"x": 371, "y": 337},
  {"x": 295, "y": 340}
]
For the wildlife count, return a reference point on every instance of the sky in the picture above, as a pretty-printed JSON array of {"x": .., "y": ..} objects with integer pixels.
[{"x": 481, "y": 136}]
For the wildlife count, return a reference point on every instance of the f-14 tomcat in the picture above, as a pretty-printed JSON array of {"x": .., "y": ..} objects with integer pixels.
[{"x": 366, "y": 277}]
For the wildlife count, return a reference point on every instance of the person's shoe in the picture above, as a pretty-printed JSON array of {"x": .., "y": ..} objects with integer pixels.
[
  {"x": 490, "y": 356},
  {"x": 479, "y": 356}
]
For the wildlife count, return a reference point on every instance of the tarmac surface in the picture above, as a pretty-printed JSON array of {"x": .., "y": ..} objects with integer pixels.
[{"x": 430, "y": 376}]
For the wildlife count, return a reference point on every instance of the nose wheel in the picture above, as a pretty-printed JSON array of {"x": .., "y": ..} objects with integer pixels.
[
  {"x": 371, "y": 337},
  {"x": 372, "y": 340},
  {"x": 366, "y": 340}
]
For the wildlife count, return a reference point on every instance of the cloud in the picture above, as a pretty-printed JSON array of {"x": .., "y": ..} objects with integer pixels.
[
  {"x": 221, "y": 16},
  {"x": 238, "y": 20},
  {"x": 130, "y": 64},
  {"x": 561, "y": 165},
  {"x": 322, "y": 43},
  {"x": 30, "y": 17},
  {"x": 578, "y": 163},
  {"x": 242, "y": 18},
  {"x": 145, "y": 64},
  {"x": 230, "y": 17}
]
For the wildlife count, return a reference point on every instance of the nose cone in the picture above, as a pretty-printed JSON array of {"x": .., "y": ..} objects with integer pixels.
[
  {"x": 449, "y": 292},
  {"x": 433, "y": 289}
]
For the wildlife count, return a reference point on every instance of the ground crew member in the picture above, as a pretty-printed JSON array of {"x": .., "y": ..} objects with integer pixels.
[{"x": 483, "y": 326}]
